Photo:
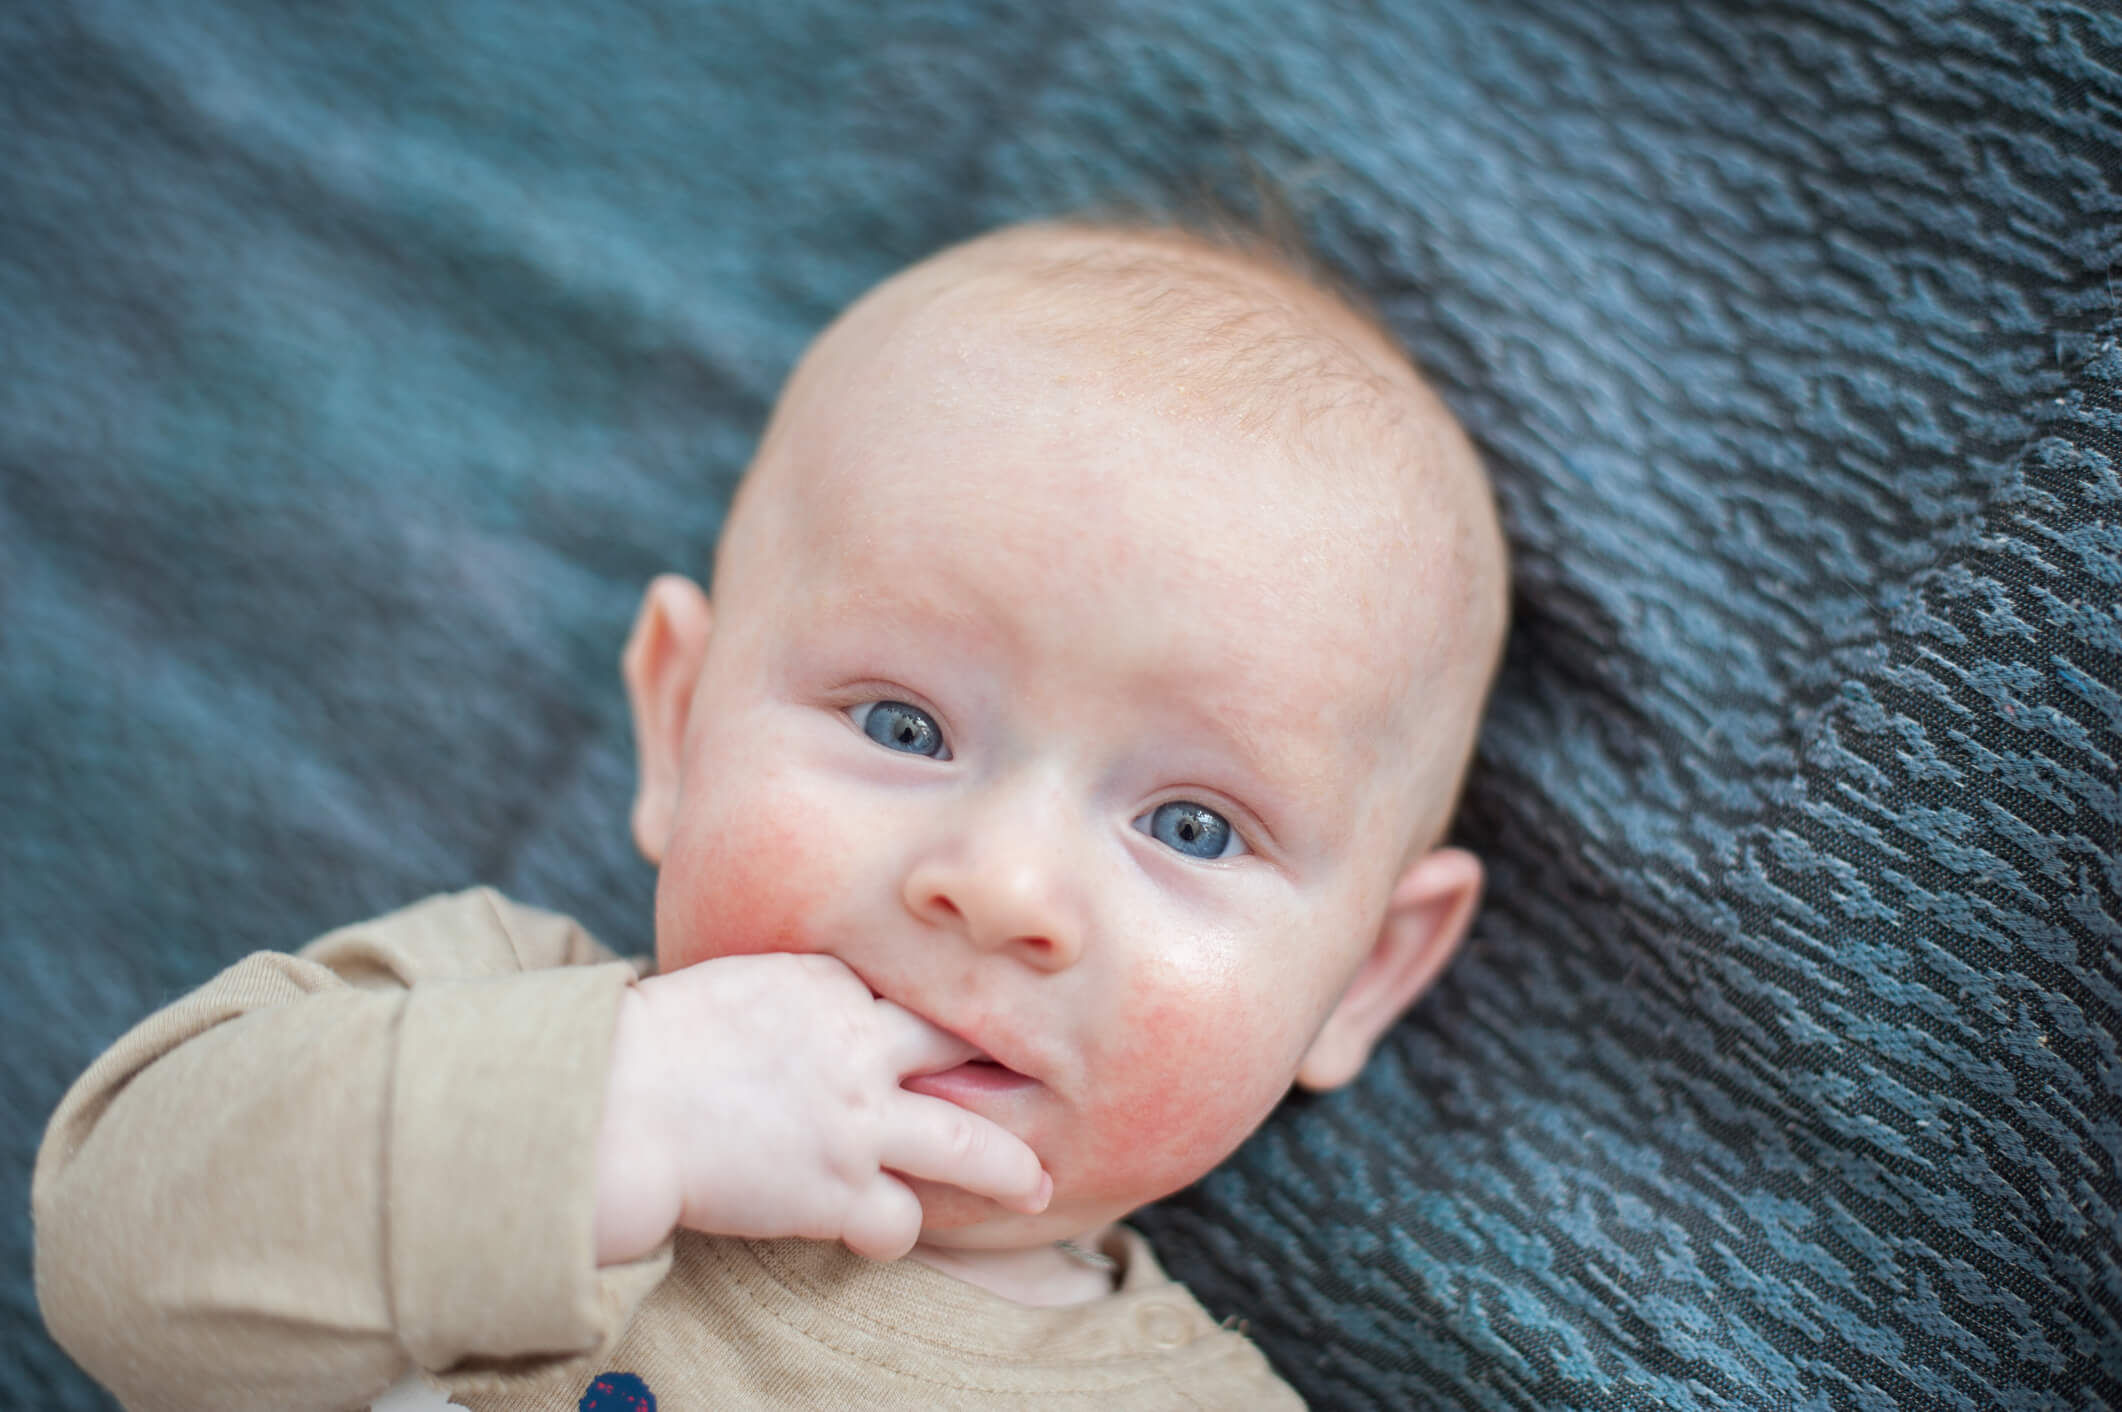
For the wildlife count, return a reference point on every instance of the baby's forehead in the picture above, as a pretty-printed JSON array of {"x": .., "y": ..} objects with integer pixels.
[
  {"x": 1057, "y": 329},
  {"x": 1218, "y": 398}
]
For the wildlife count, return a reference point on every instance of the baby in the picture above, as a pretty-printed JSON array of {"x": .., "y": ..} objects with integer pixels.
[{"x": 1056, "y": 773}]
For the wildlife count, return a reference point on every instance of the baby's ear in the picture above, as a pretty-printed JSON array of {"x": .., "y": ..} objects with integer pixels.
[
  {"x": 1431, "y": 907},
  {"x": 661, "y": 663}
]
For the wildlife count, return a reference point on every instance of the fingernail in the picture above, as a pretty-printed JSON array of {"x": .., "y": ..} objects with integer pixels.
[{"x": 1046, "y": 1192}]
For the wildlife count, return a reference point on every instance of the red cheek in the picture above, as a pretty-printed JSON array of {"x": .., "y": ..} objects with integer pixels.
[
  {"x": 738, "y": 893},
  {"x": 1190, "y": 1081}
]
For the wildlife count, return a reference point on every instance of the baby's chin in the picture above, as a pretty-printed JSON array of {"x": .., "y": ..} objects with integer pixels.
[{"x": 958, "y": 1220}]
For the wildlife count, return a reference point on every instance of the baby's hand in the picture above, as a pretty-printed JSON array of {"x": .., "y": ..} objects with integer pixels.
[{"x": 759, "y": 1096}]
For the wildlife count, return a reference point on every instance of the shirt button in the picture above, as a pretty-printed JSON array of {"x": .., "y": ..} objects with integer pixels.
[{"x": 1162, "y": 1325}]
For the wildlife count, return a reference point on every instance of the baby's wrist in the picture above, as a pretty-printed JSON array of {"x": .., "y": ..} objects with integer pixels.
[{"x": 638, "y": 1192}]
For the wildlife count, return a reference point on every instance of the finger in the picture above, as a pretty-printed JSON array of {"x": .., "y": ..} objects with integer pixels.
[
  {"x": 941, "y": 1142},
  {"x": 914, "y": 1046},
  {"x": 884, "y": 1221}
]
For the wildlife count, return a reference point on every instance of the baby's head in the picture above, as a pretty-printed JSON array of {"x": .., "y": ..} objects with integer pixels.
[{"x": 1097, "y": 645}]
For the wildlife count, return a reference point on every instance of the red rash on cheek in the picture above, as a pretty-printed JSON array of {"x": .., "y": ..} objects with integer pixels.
[
  {"x": 1190, "y": 1078},
  {"x": 730, "y": 894}
]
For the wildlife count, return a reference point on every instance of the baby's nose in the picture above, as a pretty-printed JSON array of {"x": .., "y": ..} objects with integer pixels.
[{"x": 1000, "y": 900}]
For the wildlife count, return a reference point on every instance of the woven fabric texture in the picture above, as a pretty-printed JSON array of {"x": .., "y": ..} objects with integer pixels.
[{"x": 359, "y": 363}]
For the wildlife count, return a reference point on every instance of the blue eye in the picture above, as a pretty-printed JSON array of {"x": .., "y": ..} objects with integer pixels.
[
  {"x": 898, "y": 726},
  {"x": 1193, "y": 830}
]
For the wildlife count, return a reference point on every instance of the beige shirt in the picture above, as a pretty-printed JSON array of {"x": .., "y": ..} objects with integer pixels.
[{"x": 317, "y": 1172}]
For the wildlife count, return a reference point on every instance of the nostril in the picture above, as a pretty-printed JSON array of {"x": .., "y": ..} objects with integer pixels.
[
  {"x": 944, "y": 905},
  {"x": 1045, "y": 952}
]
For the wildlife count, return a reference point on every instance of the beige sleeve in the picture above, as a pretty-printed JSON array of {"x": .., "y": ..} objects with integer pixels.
[{"x": 316, "y": 1170}]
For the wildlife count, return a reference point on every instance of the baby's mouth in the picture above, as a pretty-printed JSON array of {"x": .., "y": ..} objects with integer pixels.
[
  {"x": 979, "y": 1076},
  {"x": 984, "y": 1062}
]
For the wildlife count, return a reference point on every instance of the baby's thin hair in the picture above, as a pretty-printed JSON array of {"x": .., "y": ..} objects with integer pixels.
[
  {"x": 1182, "y": 291},
  {"x": 1251, "y": 215}
]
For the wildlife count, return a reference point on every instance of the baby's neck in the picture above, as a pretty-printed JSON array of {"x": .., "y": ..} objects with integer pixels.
[{"x": 1043, "y": 1275}]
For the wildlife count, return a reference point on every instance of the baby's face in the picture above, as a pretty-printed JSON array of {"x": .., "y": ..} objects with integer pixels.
[{"x": 1080, "y": 725}]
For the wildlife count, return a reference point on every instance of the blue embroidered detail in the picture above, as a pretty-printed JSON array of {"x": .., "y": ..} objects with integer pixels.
[{"x": 617, "y": 1392}]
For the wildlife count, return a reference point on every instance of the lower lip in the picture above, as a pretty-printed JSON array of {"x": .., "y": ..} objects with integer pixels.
[{"x": 969, "y": 1081}]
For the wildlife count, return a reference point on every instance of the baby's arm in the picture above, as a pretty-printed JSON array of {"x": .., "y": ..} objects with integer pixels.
[
  {"x": 283, "y": 1188},
  {"x": 759, "y": 1096}
]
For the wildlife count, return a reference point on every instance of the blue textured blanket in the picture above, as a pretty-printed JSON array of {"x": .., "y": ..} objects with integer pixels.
[{"x": 358, "y": 364}]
